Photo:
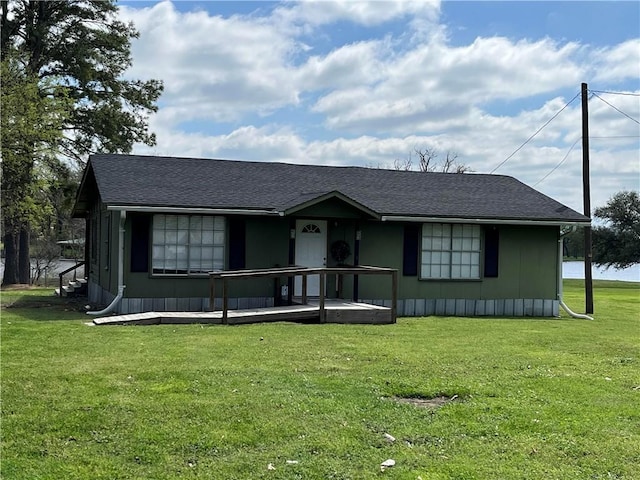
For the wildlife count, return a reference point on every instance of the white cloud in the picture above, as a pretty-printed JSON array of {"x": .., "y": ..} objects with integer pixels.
[
  {"x": 435, "y": 83},
  {"x": 618, "y": 63},
  {"x": 270, "y": 94},
  {"x": 369, "y": 13},
  {"x": 213, "y": 67}
]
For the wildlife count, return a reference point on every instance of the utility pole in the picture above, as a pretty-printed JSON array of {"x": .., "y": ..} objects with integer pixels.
[{"x": 586, "y": 195}]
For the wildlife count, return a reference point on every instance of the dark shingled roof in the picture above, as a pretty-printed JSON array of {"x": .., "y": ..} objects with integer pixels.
[{"x": 138, "y": 181}]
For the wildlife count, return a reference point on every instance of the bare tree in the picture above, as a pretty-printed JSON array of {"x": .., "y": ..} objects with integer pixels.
[{"x": 427, "y": 162}]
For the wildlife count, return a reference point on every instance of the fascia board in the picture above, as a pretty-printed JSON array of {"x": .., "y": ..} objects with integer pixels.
[
  {"x": 195, "y": 210},
  {"x": 483, "y": 221}
]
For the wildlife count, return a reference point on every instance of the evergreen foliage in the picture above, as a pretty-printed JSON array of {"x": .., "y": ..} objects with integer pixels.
[
  {"x": 66, "y": 60},
  {"x": 618, "y": 243}
]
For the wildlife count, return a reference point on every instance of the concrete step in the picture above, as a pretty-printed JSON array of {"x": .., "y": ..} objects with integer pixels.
[
  {"x": 73, "y": 288},
  {"x": 68, "y": 291}
]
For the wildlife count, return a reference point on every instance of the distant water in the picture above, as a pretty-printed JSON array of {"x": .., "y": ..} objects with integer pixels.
[{"x": 576, "y": 270}]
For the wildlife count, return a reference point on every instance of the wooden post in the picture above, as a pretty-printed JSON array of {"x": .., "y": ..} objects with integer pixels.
[
  {"x": 304, "y": 288},
  {"x": 586, "y": 194},
  {"x": 356, "y": 262},
  {"x": 394, "y": 295},
  {"x": 212, "y": 293},
  {"x": 225, "y": 301},
  {"x": 322, "y": 285}
]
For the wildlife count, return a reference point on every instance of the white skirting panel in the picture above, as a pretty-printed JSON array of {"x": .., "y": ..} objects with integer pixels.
[
  {"x": 192, "y": 304},
  {"x": 460, "y": 307}
]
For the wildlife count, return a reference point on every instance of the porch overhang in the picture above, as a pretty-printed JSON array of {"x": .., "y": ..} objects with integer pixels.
[{"x": 366, "y": 211}]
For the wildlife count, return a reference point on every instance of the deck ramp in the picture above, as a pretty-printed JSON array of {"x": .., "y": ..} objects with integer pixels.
[{"x": 337, "y": 311}]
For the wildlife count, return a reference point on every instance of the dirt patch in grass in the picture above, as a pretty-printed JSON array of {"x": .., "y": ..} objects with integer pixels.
[
  {"x": 432, "y": 403},
  {"x": 49, "y": 301}
]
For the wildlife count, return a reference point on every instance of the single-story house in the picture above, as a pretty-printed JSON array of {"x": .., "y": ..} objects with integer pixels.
[{"x": 463, "y": 244}]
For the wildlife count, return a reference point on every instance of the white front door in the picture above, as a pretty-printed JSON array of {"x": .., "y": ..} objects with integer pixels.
[{"x": 311, "y": 251}]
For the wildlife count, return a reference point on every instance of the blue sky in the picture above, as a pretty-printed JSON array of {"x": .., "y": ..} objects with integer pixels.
[{"x": 366, "y": 83}]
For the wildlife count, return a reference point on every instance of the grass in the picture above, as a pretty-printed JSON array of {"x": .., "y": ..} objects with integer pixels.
[{"x": 536, "y": 398}]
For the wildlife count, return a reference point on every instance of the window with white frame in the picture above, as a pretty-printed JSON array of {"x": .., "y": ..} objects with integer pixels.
[
  {"x": 187, "y": 244},
  {"x": 450, "y": 251}
]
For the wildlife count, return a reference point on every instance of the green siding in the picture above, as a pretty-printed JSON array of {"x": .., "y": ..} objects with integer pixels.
[
  {"x": 528, "y": 259},
  {"x": 267, "y": 244},
  {"x": 528, "y": 262},
  {"x": 104, "y": 269}
]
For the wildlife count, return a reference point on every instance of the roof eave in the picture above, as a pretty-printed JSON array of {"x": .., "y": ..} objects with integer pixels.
[
  {"x": 195, "y": 210},
  {"x": 485, "y": 221}
]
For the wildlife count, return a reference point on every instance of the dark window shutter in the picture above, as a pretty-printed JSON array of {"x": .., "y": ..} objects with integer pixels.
[
  {"x": 410, "y": 250},
  {"x": 140, "y": 235},
  {"x": 491, "y": 244},
  {"x": 237, "y": 244}
]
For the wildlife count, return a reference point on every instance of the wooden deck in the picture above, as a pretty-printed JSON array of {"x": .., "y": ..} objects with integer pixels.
[{"x": 335, "y": 311}]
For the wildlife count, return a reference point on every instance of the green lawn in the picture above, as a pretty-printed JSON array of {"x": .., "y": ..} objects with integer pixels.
[{"x": 536, "y": 398}]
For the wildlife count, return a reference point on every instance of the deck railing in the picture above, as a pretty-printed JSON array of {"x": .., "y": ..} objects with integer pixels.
[{"x": 225, "y": 277}]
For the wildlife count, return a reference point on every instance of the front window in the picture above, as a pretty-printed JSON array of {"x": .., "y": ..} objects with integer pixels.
[
  {"x": 187, "y": 244},
  {"x": 450, "y": 251}
]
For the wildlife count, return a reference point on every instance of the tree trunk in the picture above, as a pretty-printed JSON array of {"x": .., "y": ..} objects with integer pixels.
[
  {"x": 10, "y": 276},
  {"x": 24, "y": 264}
]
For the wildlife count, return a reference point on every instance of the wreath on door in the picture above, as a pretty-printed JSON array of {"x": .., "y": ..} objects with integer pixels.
[{"x": 340, "y": 251}]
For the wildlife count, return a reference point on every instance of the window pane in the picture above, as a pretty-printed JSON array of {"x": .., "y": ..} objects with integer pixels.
[
  {"x": 445, "y": 271},
  {"x": 195, "y": 238},
  {"x": 456, "y": 244},
  {"x": 435, "y": 271},
  {"x": 207, "y": 223},
  {"x": 171, "y": 222},
  {"x": 158, "y": 253},
  {"x": 218, "y": 238},
  {"x": 182, "y": 237},
  {"x": 158, "y": 236},
  {"x": 182, "y": 261},
  {"x": 207, "y": 237},
  {"x": 455, "y": 271}
]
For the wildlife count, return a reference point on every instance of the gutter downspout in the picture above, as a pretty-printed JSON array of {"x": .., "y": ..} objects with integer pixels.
[
  {"x": 114, "y": 303},
  {"x": 562, "y": 304}
]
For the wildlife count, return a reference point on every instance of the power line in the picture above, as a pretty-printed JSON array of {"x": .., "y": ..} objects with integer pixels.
[
  {"x": 618, "y": 136},
  {"x": 616, "y": 108},
  {"x": 536, "y": 133},
  {"x": 561, "y": 162},
  {"x": 616, "y": 93}
]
